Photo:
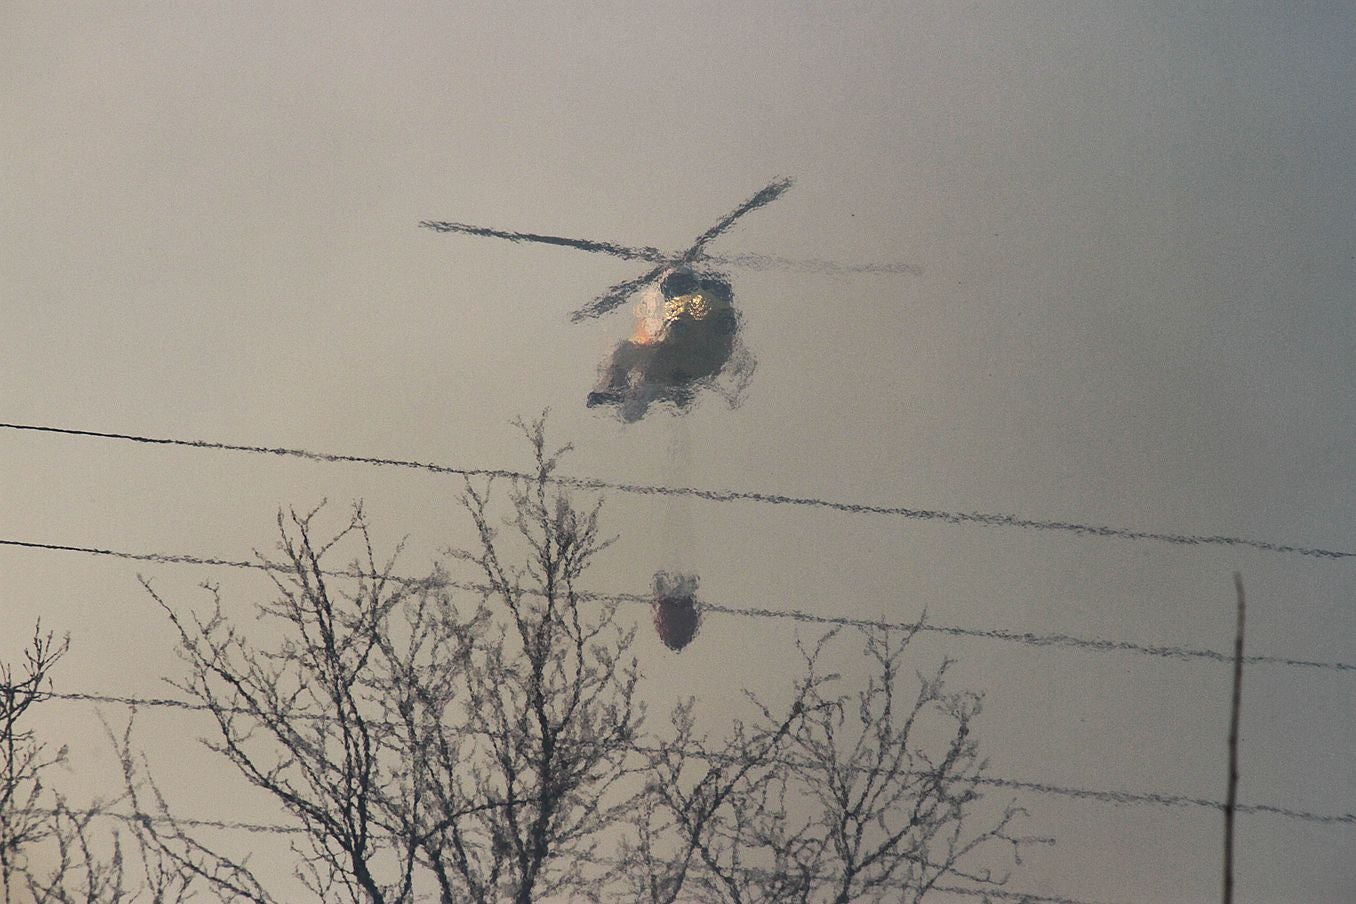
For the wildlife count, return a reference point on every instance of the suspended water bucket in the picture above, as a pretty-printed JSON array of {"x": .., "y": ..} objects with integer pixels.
[{"x": 677, "y": 614}]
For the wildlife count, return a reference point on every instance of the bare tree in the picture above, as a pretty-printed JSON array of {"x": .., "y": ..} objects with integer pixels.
[
  {"x": 51, "y": 852},
  {"x": 175, "y": 865},
  {"x": 23, "y": 822},
  {"x": 497, "y": 752},
  {"x": 844, "y": 798},
  {"x": 35, "y": 822},
  {"x": 409, "y": 739},
  {"x": 304, "y": 719},
  {"x": 710, "y": 808},
  {"x": 46, "y": 850},
  {"x": 895, "y": 799},
  {"x": 550, "y": 705}
]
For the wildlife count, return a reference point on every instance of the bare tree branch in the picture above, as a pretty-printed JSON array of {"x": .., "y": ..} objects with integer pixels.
[{"x": 494, "y": 750}]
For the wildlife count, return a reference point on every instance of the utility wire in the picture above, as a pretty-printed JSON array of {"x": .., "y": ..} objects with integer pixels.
[
  {"x": 1052, "y": 641},
  {"x": 229, "y": 825},
  {"x": 1116, "y": 798},
  {"x": 1105, "y": 796},
  {"x": 984, "y": 518},
  {"x": 1021, "y": 897}
]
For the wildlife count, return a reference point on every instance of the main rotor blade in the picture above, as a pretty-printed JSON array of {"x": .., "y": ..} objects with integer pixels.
[
  {"x": 616, "y": 295},
  {"x": 769, "y": 194},
  {"x": 622, "y": 251},
  {"x": 802, "y": 265}
]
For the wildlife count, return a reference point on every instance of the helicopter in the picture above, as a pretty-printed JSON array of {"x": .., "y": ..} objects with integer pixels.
[{"x": 687, "y": 332}]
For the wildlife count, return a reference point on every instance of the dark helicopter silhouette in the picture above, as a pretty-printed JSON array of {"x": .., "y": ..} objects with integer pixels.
[
  {"x": 687, "y": 332},
  {"x": 684, "y": 338}
]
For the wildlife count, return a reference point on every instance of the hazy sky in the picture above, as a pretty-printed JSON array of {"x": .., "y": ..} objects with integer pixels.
[{"x": 1135, "y": 226}]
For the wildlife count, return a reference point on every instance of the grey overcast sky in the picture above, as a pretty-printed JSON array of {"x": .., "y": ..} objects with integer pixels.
[{"x": 1134, "y": 225}]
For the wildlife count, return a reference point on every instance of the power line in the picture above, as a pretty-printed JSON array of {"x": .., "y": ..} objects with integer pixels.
[
  {"x": 1116, "y": 798},
  {"x": 1051, "y": 641},
  {"x": 1021, "y": 897},
  {"x": 229, "y": 825},
  {"x": 1105, "y": 796},
  {"x": 588, "y": 483}
]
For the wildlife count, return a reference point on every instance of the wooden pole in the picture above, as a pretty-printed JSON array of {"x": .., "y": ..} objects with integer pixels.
[{"x": 1232, "y": 800}]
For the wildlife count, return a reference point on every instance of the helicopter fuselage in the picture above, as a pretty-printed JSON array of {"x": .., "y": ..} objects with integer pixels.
[{"x": 682, "y": 339}]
